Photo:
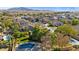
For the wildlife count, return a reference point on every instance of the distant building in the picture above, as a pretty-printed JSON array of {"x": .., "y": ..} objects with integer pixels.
[
  {"x": 6, "y": 37},
  {"x": 57, "y": 24},
  {"x": 25, "y": 17}
]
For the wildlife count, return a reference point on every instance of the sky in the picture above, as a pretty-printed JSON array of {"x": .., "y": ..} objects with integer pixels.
[
  {"x": 56, "y": 8},
  {"x": 5, "y": 7},
  {"x": 67, "y": 4},
  {"x": 38, "y": 3},
  {"x": 50, "y": 8}
]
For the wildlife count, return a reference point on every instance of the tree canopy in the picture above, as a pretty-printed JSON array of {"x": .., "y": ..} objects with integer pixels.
[{"x": 67, "y": 30}]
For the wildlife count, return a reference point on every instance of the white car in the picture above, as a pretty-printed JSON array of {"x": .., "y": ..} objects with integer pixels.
[{"x": 73, "y": 41}]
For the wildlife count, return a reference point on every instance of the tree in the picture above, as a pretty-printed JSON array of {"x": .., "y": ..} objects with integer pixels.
[
  {"x": 75, "y": 22},
  {"x": 67, "y": 30},
  {"x": 62, "y": 40},
  {"x": 53, "y": 38},
  {"x": 37, "y": 33},
  {"x": 50, "y": 24},
  {"x": 46, "y": 42},
  {"x": 7, "y": 24},
  {"x": 64, "y": 21},
  {"x": 19, "y": 37}
]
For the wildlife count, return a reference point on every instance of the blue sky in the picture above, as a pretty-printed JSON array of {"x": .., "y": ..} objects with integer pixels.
[
  {"x": 50, "y": 8},
  {"x": 56, "y": 8}
]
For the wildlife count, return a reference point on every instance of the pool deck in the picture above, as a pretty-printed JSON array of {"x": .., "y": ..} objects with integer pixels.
[{"x": 4, "y": 49}]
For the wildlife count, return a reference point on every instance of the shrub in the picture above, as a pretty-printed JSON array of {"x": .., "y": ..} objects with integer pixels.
[
  {"x": 63, "y": 21},
  {"x": 75, "y": 22}
]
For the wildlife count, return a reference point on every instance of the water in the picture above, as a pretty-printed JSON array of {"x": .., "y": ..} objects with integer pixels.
[{"x": 28, "y": 45}]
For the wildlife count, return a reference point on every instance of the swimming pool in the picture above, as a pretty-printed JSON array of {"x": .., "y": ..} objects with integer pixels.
[
  {"x": 29, "y": 46},
  {"x": 26, "y": 45}
]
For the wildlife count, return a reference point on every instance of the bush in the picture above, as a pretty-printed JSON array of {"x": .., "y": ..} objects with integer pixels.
[
  {"x": 76, "y": 46},
  {"x": 64, "y": 21},
  {"x": 56, "y": 49},
  {"x": 75, "y": 22}
]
